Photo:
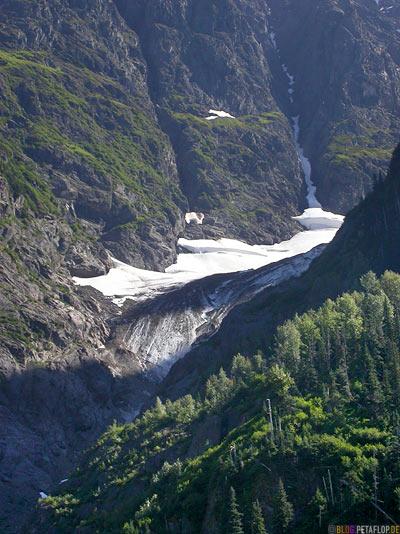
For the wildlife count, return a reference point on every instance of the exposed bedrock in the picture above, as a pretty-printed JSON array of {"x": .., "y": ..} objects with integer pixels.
[{"x": 345, "y": 58}]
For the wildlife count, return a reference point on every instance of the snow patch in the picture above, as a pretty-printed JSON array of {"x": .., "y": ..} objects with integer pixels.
[
  {"x": 194, "y": 217},
  {"x": 291, "y": 82},
  {"x": 285, "y": 70},
  {"x": 43, "y": 495},
  {"x": 214, "y": 114},
  {"x": 318, "y": 219},
  {"x": 63, "y": 481}
]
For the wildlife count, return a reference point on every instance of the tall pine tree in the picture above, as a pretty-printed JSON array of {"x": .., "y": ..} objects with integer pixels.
[
  {"x": 283, "y": 510},
  {"x": 318, "y": 505},
  {"x": 257, "y": 520},
  {"x": 235, "y": 517}
]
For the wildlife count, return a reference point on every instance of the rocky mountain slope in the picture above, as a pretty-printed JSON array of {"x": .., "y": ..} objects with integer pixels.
[
  {"x": 344, "y": 56},
  {"x": 104, "y": 145},
  {"x": 80, "y": 138},
  {"x": 306, "y": 432},
  {"x": 59, "y": 383},
  {"x": 332, "y": 377}
]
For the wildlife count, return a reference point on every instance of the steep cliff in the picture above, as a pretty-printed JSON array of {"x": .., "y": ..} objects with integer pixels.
[
  {"x": 59, "y": 384},
  {"x": 345, "y": 58},
  {"x": 243, "y": 173},
  {"x": 79, "y": 135}
]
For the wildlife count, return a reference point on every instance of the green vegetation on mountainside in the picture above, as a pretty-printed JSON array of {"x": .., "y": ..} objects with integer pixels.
[
  {"x": 371, "y": 144},
  {"x": 67, "y": 115},
  {"x": 332, "y": 377},
  {"x": 232, "y": 169}
]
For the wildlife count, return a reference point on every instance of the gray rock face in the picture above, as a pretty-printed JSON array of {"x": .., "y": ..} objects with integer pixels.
[
  {"x": 243, "y": 174},
  {"x": 344, "y": 55},
  {"x": 78, "y": 120},
  {"x": 61, "y": 377}
]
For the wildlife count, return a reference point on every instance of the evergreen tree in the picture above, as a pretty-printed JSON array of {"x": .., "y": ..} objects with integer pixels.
[
  {"x": 257, "y": 520},
  {"x": 241, "y": 370},
  {"x": 336, "y": 399},
  {"x": 225, "y": 385},
  {"x": 235, "y": 517},
  {"x": 211, "y": 391},
  {"x": 283, "y": 510},
  {"x": 279, "y": 380},
  {"x": 287, "y": 346},
  {"x": 307, "y": 377},
  {"x": 397, "y": 497},
  {"x": 370, "y": 284},
  {"x": 259, "y": 363},
  {"x": 318, "y": 505},
  {"x": 390, "y": 283},
  {"x": 159, "y": 408},
  {"x": 392, "y": 382},
  {"x": 374, "y": 395},
  {"x": 388, "y": 319},
  {"x": 218, "y": 388}
]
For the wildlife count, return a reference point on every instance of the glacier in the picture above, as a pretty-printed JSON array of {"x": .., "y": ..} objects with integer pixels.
[
  {"x": 206, "y": 257},
  {"x": 166, "y": 314}
]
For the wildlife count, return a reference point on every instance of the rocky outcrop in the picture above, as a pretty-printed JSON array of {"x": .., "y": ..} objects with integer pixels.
[
  {"x": 62, "y": 379},
  {"x": 79, "y": 125},
  {"x": 345, "y": 59},
  {"x": 242, "y": 172}
]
